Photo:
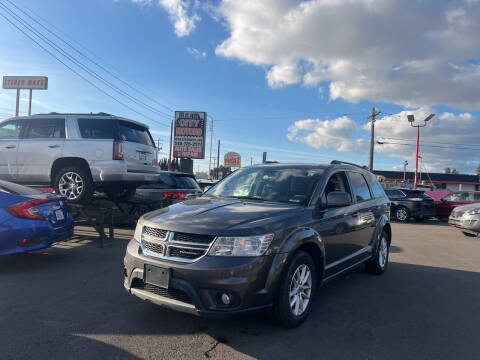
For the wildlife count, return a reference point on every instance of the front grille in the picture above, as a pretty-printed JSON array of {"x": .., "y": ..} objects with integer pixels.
[
  {"x": 174, "y": 294},
  {"x": 204, "y": 239},
  {"x": 158, "y": 233},
  {"x": 185, "y": 253},
  {"x": 154, "y": 247}
]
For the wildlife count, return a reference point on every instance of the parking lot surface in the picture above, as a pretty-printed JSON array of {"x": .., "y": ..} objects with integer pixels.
[{"x": 68, "y": 302}]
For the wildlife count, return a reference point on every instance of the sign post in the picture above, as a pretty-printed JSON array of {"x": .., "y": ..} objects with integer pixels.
[{"x": 25, "y": 82}]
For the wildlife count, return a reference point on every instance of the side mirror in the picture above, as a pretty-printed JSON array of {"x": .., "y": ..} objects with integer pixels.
[{"x": 338, "y": 199}]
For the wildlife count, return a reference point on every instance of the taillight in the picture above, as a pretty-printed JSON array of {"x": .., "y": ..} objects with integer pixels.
[
  {"x": 118, "y": 150},
  {"x": 175, "y": 195},
  {"x": 27, "y": 209}
]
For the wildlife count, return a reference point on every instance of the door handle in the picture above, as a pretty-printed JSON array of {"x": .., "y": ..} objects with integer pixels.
[
  {"x": 10, "y": 147},
  {"x": 53, "y": 146}
]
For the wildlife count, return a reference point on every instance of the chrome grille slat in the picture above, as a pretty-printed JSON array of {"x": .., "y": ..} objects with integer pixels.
[{"x": 158, "y": 233}]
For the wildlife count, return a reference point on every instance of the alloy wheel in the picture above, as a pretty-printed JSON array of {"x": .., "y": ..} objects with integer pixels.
[
  {"x": 383, "y": 252},
  {"x": 401, "y": 214},
  {"x": 300, "y": 290},
  {"x": 71, "y": 185}
]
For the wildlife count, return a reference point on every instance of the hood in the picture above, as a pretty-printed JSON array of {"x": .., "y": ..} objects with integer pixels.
[
  {"x": 468, "y": 207},
  {"x": 220, "y": 216}
]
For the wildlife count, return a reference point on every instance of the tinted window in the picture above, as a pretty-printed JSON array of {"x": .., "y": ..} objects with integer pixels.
[
  {"x": 476, "y": 196},
  {"x": 186, "y": 182},
  {"x": 417, "y": 194},
  {"x": 359, "y": 186},
  {"x": 394, "y": 193},
  {"x": 11, "y": 129},
  {"x": 134, "y": 133},
  {"x": 375, "y": 187},
  {"x": 98, "y": 128},
  {"x": 173, "y": 181},
  {"x": 46, "y": 129},
  {"x": 289, "y": 185}
]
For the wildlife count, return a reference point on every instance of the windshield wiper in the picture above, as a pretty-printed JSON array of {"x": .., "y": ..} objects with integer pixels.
[{"x": 247, "y": 198}]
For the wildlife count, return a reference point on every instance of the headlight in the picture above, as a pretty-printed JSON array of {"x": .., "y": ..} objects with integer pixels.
[
  {"x": 473, "y": 212},
  {"x": 138, "y": 230},
  {"x": 241, "y": 245}
]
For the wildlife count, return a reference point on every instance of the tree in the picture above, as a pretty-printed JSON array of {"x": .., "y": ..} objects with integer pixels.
[
  {"x": 454, "y": 171},
  {"x": 447, "y": 170},
  {"x": 478, "y": 169},
  {"x": 163, "y": 163},
  {"x": 225, "y": 170}
]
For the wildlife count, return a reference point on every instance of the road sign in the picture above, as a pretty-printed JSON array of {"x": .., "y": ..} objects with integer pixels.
[
  {"x": 25, "y": 82},
  {"x": 232, "y": 159},
  {"x": 189, "y": 139}
]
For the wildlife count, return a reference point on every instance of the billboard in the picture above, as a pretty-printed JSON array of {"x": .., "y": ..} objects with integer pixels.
[
  {"x": 232, "y": 159},
  {"x": 189, "y": 138},
  {"x": 25, "y": 82}
]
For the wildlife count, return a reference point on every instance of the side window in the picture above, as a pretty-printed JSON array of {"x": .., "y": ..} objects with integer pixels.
[
  {"x": 337, "y": 182},
  {"x": 46, "y": 129},
  {"x": 98, "y": 128},
  {"x": 11, "y": 129},
  {"x": 453, "y": 197},
  {"x": 476, "y": 197},
  {"x": 359, "y": 186},
  {"x": 375, "y": 187}
]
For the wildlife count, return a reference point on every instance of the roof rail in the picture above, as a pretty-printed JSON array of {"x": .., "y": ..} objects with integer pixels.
[{"x": 349, "y": 163}]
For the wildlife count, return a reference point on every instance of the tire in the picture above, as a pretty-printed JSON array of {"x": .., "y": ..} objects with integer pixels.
[
  {"x": 468, "y": 234},
  {"x": 402, "y": 214},
  {"x": 283, "y": 313},
  {"x": 379, "y": 263},
  {"x": 74, "y": 183}
]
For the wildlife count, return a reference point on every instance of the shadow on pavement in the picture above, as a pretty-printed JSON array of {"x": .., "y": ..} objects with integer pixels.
[{"x": 70, "y": 304}]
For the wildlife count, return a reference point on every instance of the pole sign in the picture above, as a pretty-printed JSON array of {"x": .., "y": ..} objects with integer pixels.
[
  {"x": 232, "y": 159},
  {"x": 25, "y": 82},
  {"x": 189, "y": 138}
]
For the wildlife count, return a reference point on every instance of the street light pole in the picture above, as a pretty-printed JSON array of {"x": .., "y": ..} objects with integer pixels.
[
  {"x": 411, "y": 120},
  {"x": 404, "y": 170}
]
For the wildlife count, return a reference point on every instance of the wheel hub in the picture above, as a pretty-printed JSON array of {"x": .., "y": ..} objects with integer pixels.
[{"x": 300, "y": 290}]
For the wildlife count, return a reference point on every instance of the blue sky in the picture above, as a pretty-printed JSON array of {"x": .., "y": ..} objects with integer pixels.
[{"x": 257, "y": 90}]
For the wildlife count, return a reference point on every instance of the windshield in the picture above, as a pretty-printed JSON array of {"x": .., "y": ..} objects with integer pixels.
[{"x": 288, "y": 185}]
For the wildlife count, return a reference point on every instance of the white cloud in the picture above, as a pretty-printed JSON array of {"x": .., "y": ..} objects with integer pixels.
[
  {"x": 183, "y": 14},
  {"x": 338, "y": 134},
  {"x": 412, "y": 53},
  {"x": 197, "y": 54},
  {"x": 440, "y": 139}
]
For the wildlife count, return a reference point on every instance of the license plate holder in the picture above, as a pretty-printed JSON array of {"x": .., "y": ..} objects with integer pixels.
[
  {"x": 158, "y": 276},
  {"x": 59, "y": 215}
]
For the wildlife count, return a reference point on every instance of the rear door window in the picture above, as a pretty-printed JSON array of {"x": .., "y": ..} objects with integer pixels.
[
  {"x": 46, "y": 129},
  {"x": 375, "y": 187},
  {"x": 11, "y": 129},
  {"x": 98, "y": 128},
  {"x": 359, "y": 186},
  {"x": 134, "y": 133}
]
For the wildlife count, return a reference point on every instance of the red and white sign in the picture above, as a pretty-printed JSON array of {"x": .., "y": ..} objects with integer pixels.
[
  {"x": 189, "y": 139},
  {"x": 232, "y": 159},
  {"x": 25, "y": 82}
]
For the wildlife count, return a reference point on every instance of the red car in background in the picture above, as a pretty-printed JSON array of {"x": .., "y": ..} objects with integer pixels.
[{"x": 445, "y": 205}]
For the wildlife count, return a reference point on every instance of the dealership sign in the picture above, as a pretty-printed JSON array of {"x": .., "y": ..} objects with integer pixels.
[
  {"x": 25, "y": 82},
  {"x": 232, "y": 159},
  {"x": 189, "y": 139}
]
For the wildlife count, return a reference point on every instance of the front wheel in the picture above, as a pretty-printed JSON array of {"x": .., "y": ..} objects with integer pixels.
[
  {"x": 402, "y": 214},
  {"x": 379, "y": 263},
  {"x": 296, "y": 290}
]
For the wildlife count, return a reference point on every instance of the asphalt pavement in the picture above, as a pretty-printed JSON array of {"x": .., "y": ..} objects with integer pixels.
[{"x": 68, "y": 302}]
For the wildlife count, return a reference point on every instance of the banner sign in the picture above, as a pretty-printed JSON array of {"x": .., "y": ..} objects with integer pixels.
[
  {"x": 189, "y": 139},
  {"x": 232, "y": 159},
  {"x": 25, "y": 82}
]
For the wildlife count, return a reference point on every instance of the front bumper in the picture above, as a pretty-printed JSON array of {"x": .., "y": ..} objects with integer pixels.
[
  {"x": 470, "y": 223},
  {"x": 196, "y": 287}
]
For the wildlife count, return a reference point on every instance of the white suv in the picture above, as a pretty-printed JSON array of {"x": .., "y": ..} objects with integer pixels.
[{"x": 78, "y": 153}]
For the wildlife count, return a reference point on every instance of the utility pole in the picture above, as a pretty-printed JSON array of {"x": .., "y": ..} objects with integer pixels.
[
  {"x": 411, "y": 120},
  {"x": 372, "y": 135},
  {"x": 218, "y": 158},
  {"x": 171, "y": 140},
  {"x": 251, "y": 161},
  {"x": 211, "y": 137},
  {"x": 404, "y": 169}
]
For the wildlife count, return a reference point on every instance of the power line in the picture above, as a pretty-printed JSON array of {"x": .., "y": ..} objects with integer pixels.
[
  {"x": 77, "y": 73},
  {"x": 430, "y": 142},
  {"x": 423, "y": 145},
  {"x": 81, "y": 65},
  {"x": 83, "y": 55}
]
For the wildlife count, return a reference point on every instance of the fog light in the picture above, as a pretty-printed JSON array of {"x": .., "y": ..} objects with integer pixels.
[{"x": 226, "y": 299}]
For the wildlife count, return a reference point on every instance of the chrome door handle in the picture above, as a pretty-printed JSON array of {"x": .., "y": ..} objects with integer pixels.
[
  {"x": 53, "y": 146},
  {"x": 10, "y": 147}
]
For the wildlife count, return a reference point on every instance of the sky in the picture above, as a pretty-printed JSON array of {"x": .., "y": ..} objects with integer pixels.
[{"x": 296, "y": 79}]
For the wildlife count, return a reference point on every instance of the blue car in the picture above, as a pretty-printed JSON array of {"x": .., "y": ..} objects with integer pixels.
[{"x": 31, "y": 219}]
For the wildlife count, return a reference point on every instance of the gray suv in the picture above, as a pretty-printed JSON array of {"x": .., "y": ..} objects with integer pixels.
[
  {"x": 78, "y": 153},
  {"x": 266, "y": 236}
]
